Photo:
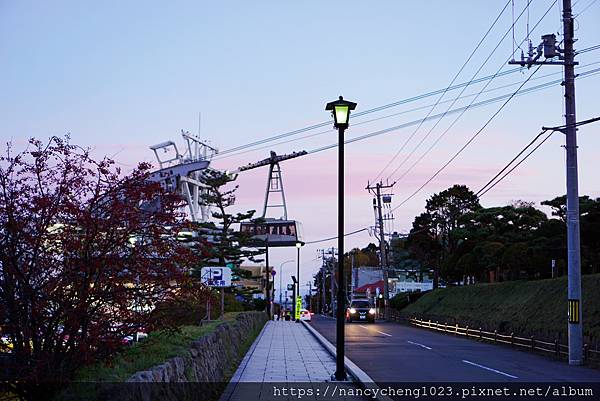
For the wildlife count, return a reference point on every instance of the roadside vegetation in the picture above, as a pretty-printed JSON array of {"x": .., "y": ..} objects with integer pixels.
[
  {"x": 158, "y": 347},
  {"x": 91, "y": 257},
  {"x": 524, "y": 307}
]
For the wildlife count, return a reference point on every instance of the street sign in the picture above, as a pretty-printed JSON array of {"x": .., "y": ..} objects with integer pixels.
[
  {"x": 216, "y": 276},
  {"x": 290, "y": 287},
  {"x": 273, "y": 272},
  {"x": 298, "y": 307}
]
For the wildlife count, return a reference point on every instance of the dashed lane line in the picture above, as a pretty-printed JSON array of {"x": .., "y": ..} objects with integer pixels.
[
  {"x": 490, "y": 369},
  {"x": 419, "y": 345},
  {"x": 380, "y": 332}
]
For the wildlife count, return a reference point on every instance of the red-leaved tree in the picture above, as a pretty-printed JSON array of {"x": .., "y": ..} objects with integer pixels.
[{"x": 86, "y": 253}]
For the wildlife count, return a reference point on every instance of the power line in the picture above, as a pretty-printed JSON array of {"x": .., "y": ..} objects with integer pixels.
[
  {"x": 332, "y": 238},
  {"x": 449, "y": 85},
  {"x": 410, "y": 123},
  {"x": 467, "y": 143},
  {"x": 492, "y": 183},
  {"x": 242, "y": 149},
  {"x": 462, "y": 113},
  {"x": 456, "y": 110},
  {"x": 511, "y": 162},
  {"x": 589, "y": 74},
  {"x": 481, "y": 193}
]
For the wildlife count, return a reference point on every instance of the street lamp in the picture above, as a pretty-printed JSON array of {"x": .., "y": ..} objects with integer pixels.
[
  {"x": 296, "y": 311},
  {"x": 280, "y": 276},
  {"x": 341, "y": 114}
]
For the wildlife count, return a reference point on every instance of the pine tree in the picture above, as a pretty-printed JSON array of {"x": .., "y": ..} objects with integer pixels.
[{"x": 223, "y": 243}]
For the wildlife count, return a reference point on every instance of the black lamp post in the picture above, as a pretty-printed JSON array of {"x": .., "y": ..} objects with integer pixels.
[{"x": 341, "y": 114}]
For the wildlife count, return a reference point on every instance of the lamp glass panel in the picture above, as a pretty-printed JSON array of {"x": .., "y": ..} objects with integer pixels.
[{"x": 341, "y": 114}]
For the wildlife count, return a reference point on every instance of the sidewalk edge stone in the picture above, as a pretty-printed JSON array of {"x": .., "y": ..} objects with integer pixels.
[{"x": 361, "y": 377}]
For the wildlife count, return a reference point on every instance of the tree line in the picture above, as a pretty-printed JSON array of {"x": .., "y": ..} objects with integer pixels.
[{"x": 456, "y": 238}]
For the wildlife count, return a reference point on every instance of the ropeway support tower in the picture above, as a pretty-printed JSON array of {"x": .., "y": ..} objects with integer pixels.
[{"x": 181, "y": 172}]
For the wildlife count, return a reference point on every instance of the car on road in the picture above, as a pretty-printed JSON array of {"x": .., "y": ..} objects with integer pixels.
[
  {"x": 360, "y": 310},
  {"x": 305, "y": 315}
]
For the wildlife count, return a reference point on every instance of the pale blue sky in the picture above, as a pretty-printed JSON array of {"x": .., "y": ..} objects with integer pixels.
[{"x": 120, "y": 76}]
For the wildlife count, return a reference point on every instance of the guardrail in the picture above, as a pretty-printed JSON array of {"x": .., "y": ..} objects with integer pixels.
[{"x": 534, "y": 344}]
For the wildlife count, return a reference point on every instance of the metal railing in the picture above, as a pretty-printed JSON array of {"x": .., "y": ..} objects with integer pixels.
[{"x": 533, "y": 344}]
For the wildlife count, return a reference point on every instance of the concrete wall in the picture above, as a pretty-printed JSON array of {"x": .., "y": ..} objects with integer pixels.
[{"x": 198, "y": 375}]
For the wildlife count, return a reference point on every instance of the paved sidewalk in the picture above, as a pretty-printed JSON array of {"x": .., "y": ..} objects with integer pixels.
[
  {"x": 285, "y": 357},
  {"x": 285, "y": 352}
]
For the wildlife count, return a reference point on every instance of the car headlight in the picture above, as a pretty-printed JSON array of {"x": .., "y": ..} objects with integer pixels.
[
  {"x": 372, "y": 311},
  {"x": 352, "y": 310}
]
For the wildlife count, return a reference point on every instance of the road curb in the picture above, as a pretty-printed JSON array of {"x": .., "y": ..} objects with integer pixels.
[{"x": 360, "y": 376}]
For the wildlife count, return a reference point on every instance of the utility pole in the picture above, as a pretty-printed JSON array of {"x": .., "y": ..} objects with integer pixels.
[
  {"x": 332, "y": 284},
  {"x": 566, "y": 58},
  {"x": 268, "y": 280},
  {"x": 354, "y": 276},
  {"x": 322, "y": 294},
  {"x": 574, "y": 257},
  {"x": 377, "y": 204}
]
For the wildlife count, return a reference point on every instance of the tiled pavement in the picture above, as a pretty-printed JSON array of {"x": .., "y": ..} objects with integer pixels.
[
  {"x": 286, "y": 352},
  {"x": 284, "y": 356}
]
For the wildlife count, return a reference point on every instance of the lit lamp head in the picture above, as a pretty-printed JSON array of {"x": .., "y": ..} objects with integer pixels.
[
  {"x": 299, "y": 245},
  {"x": 341, "y": 112}
]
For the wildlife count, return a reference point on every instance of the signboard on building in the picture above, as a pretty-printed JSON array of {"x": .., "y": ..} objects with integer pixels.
[{"x": 216, "y": 276}]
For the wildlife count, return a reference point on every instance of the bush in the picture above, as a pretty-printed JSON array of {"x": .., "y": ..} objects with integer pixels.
[
  {"x": 403, "y": 299},
  {"x": 259, "y": 304}
]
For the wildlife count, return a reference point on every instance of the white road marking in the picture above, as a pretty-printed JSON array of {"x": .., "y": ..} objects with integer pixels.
[
  {"x": 380, "y": 332},
  {"x": 490, "y": 369},
  {"x": 420, "y": 345}
]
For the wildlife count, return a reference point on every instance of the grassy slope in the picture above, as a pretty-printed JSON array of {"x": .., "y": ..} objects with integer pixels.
[
  {"x": 158, "y": 347},
  {"x": 525, "y": 307}
]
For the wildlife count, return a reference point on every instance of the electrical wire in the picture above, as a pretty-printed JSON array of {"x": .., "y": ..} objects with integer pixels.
[
  {"x": 483, "y": 190},
  {"x": 481, "y": 193},
  {"x": 243, "y": 149},
  {"x": 585, "y": 8},
  {"x": 495, "y": 180},
  {"x": 332, "y": 238},
  {"x": 390, "y": 115},
  {"x": 446, "y": 90},
  {"x": 462, "y": 113},
  {"x": 471, "y": 139},
  {"x": 475, "y": 105}
]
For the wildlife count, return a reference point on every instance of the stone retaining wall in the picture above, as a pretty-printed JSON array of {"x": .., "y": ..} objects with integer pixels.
[{"x": 199, "y": 375}]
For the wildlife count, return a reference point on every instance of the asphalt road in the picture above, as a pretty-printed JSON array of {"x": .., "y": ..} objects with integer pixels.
[{"x": 391, "y": 352}]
